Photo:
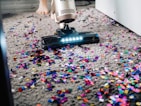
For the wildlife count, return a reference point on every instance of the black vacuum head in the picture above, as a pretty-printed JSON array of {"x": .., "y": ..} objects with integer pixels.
[{"x": 68, "y": 37}]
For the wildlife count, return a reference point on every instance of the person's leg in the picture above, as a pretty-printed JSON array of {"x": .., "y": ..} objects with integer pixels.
[
  {"x": 53, "y": 16},
  {"x": 42, "y": 9},
  {"x": 52, "y": 9}
]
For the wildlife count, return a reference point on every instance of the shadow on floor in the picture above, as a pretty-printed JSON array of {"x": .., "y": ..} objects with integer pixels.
[{"x": 8, "y": 15}]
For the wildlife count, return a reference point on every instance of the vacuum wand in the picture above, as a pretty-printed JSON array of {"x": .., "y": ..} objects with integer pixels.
[{"x": 65, "y": 12}]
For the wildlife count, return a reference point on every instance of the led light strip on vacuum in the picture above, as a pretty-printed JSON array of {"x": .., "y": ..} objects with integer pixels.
[{"x": 71, "y": 39}]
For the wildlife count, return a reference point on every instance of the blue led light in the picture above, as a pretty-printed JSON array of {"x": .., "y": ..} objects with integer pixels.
[
  {"x": 70, "y": 39},
  {"x": 73, "y": 39},
  {"x": 81, "y": 38},
  {"x": 77, "y": 38},
  {"x": 63, "y": 40},
  {"x": 66, "y": 39}
]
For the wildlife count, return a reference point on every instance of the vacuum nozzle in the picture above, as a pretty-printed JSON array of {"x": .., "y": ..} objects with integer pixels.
[{"x": 68, "y": 36}]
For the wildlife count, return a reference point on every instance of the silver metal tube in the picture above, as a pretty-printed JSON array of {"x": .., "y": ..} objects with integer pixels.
[{"x": 65, "y": 10}]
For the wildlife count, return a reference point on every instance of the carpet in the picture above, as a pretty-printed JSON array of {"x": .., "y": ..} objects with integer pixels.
[{"x": 104, "y": 74}]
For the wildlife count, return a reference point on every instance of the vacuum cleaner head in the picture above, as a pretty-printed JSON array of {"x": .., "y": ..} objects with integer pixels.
[
  {"x": 68, "y": 36},
  {"x": 65, "y": 11}
]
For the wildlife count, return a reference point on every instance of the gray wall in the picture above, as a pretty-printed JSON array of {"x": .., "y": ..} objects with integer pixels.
[{"x": 17, "y": 6}]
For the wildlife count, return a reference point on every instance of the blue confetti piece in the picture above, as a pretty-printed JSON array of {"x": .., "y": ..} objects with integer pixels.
[{"x": 97, "y": 74}]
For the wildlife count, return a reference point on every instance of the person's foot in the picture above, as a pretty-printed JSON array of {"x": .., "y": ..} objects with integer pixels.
[
  {"x": 42, "y": 10},
  {"x": 42, "y": 7},
  {"x": 53, "y": 16},
  {"x": 52, "y": 12}
]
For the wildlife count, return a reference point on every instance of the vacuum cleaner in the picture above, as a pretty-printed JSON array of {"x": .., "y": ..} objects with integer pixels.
[{"x": 65, "y": 12}]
